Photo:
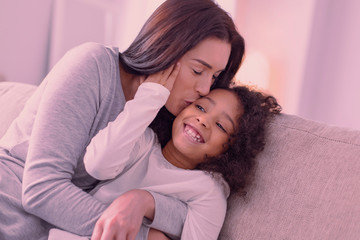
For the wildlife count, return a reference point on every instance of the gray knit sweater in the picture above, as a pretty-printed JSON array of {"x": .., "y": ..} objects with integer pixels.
[{"x": 46, "y": 143}]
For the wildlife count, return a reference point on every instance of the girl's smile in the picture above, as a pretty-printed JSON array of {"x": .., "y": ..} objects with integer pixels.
[{"x": 192, "y": 134}]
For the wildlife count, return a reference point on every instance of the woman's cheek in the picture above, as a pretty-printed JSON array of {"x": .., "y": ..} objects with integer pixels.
[{"x": 172, "y": 105}]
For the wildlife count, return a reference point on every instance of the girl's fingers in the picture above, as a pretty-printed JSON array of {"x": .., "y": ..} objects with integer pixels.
[
  {"x": 166, "y": 77},
  {"x": 172, "y": 76}
]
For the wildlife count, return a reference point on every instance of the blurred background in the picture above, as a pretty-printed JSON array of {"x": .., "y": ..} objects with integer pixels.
[{"x": 304, "y": 52}]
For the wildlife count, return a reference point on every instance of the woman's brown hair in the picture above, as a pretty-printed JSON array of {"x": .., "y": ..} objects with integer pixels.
[{"x": 174, "y": 28}]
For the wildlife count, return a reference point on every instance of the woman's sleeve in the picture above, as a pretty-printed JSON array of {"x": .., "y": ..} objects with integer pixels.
[
  {"x": 109, "y": 152},
  {"x": 170, "y": 215},
  {"x": 61, "y": 131}
]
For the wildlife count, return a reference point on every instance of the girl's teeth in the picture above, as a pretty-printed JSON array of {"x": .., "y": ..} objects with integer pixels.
[{"x": 193, "y": 134}]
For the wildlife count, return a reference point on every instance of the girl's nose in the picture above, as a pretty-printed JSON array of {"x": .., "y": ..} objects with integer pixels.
[{"x": 202, "y": 120}]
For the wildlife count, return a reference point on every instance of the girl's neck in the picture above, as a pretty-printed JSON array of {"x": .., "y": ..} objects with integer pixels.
[
  {"x": 173, "y": 156},
  {"x": 129, "y": 83}
]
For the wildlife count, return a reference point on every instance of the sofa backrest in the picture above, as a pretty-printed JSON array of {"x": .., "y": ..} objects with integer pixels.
[{"x": 307, "y": 185}]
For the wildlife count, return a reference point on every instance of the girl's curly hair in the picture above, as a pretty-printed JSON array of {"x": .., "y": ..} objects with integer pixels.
[{"x": 237, "y": 164}]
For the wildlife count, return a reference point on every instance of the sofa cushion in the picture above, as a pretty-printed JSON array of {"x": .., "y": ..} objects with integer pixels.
[
  {"x": 13, "y": 96},
  {"x": 307, "y": 185}
]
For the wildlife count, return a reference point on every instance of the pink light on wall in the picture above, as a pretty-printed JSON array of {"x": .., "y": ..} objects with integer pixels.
[
  {"x": 280, "y": 31},
  {"x": 255, "y": 70}
]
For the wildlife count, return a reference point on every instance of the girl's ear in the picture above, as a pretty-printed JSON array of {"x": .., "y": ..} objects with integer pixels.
[{"x": 228, "y": 144}]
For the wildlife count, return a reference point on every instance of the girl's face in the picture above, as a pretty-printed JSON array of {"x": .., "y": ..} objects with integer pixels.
[
  {"x": 204, "y": 128},
  {"x": 199, "y": 69}
]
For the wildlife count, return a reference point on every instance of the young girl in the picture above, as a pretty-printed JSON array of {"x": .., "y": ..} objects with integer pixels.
[{"x": 216, "y": 138}]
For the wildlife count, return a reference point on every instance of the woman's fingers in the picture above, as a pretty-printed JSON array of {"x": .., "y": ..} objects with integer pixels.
[
  {"x": 123, "y": 218},
  {"x": 111, "y": 230},
  {"x": 114, "y": 234},
  {"x": 98, "y": 230}
]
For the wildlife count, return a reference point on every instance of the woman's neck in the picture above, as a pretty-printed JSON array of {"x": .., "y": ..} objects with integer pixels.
[{"x": 129, "y": 83}]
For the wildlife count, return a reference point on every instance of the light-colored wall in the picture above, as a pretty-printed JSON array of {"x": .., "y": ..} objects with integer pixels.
[
  {"x": 305, "y": 52},
  {"x": 277, "y": 36},
  {"x": 24, "y": 39},
  {"x": 331, "y": 83}
]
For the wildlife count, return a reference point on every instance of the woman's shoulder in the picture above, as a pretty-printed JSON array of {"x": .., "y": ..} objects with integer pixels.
[
  {"x": 94, "y": 50},
  {"x": 98, "y": 63}
]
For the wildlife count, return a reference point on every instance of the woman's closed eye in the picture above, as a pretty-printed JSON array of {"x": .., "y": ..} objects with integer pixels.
[
  {"x": 197, "y": 72},
  {"x": 214, "y": 77}
]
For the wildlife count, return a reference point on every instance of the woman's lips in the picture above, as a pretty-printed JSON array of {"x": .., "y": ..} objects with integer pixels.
[
  {"x": 187, "y": 103},
  {"x": 193, "y": 134}
]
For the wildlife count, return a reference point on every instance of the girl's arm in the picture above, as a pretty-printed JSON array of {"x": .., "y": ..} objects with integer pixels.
[
  {"x": 111, "y": 150},
  {"x": 206, "y": 215}
]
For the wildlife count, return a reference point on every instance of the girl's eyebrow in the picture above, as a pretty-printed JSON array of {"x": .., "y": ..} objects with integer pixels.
[{"x": 225, "y": 114}]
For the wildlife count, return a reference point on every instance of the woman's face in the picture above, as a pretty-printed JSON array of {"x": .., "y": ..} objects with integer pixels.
[
  {"x": 204, "y": 128},
  {"x": 199, "y": 68}
]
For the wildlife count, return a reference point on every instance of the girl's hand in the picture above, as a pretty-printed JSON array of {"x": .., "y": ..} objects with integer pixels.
[
  {"x": 123, "y": 218},
  {"x": 166, "y": 77}
]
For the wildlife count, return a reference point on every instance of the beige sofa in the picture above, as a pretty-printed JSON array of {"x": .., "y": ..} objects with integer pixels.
[{"x": 307, "y": 184}]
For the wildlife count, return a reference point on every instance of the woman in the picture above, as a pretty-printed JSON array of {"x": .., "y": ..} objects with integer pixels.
[{"x": 43, "y": 180}]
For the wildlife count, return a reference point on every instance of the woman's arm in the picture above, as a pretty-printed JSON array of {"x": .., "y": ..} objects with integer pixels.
[{"x": 64, "y": 121}]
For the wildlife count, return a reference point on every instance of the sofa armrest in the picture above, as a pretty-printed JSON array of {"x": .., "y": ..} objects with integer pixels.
[{"x": 13, "y": 96}]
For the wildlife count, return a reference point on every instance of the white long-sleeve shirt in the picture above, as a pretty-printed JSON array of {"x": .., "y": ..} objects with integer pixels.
[{"x": 127, "y": 151}]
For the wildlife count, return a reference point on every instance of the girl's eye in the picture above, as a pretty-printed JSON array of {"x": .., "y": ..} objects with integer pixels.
[
  {"x": 221, "y": 127},
  {"x": 200, "y": 107}
]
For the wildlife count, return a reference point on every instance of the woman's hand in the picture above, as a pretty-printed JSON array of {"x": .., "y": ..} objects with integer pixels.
[
  {"x": 166, "y": 77},
  {"x": 123, "y": 218}
]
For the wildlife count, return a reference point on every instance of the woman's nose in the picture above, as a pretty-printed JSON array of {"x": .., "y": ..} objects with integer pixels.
[{"x": 203, "y": 86}]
